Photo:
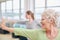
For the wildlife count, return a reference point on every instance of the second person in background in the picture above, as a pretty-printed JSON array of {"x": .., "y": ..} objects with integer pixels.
[{"x": 32, "y": 23}]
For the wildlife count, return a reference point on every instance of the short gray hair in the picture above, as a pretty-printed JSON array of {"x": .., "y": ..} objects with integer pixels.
[{"x": 50, "y": 14}]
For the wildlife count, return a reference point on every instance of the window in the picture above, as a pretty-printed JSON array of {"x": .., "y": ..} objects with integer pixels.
[
  {"x": 39, "y": 3},
  {"x": 22, "y": 10},
  {"x": 3, "y": 7},
  {"x": 16, "y": 8},
  {"x": 22, "y": 4},
  {"x": 13, "y": 9},
  {"x": 9, "y": 5},
  {"x": 16, "y": 4},
  {"x": 16, "y": 14},
  {"x": 38, "y": 12},
  {"x": 8, "y": 9},
  {"x": 39, "y": 8},
  {"x": 53, "y": 2},
  {"x": 57, "y": 9},
  {"x": 50, "y": 4},
  {"x": 22, "y": 15}
]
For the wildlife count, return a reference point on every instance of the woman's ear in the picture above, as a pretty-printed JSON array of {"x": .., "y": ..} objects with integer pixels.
[{"x": 52, "y": 21}]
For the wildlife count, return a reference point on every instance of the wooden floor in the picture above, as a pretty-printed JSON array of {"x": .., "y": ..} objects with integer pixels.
[{"x": 6, "y": 37}]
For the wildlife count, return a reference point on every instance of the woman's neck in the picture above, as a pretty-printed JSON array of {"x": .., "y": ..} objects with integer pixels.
[
  {"x": 31, "y": 20},
  {"x": 52, "y": 33}
]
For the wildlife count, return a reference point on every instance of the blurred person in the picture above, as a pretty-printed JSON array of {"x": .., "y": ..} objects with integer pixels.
[{"x": 32, "y": 23}]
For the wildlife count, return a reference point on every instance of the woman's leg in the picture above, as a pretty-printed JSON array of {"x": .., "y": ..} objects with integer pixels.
[
  {"x": 3, "y": 31},
  {"x": 22, "y": 38}
]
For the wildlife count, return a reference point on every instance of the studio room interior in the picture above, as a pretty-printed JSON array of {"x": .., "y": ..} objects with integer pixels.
[{"x": 29, "y": 19}]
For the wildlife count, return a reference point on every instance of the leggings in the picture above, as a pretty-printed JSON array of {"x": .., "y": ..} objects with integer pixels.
[{"x": 20, "y": 37}]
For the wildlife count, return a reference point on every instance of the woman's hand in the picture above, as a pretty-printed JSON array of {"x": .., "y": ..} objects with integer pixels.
[
  {"x": 4, "y": 27},
  {"x": 3, "y": 23}
]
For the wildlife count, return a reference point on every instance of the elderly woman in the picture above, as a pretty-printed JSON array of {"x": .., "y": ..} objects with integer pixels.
[
  {"x": 48, "y": 31},
  {"x": 49, "y": 23}
]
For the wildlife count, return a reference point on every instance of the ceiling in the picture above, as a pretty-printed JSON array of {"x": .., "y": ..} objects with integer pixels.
[{"x": 3, "y": 0}]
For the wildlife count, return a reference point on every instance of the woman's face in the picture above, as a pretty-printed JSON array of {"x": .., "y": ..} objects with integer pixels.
[
  {"x": 45, "y": 23},
  {"x": 27, "y": 16}
]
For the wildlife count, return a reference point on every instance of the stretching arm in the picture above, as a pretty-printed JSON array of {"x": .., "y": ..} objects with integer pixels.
[{"x": 4, "y": 27}]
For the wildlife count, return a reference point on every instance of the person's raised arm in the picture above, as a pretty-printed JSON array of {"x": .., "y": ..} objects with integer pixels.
[{"x": 4, "y": 27}]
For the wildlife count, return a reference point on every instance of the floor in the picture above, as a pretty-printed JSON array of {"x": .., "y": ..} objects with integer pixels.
[{"x": 7, "y": 37}]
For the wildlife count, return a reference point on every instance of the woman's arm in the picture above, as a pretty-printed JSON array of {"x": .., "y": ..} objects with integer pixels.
[
  {"x": 29, "y": 33},
  {"x": 5, "y": 27}
]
